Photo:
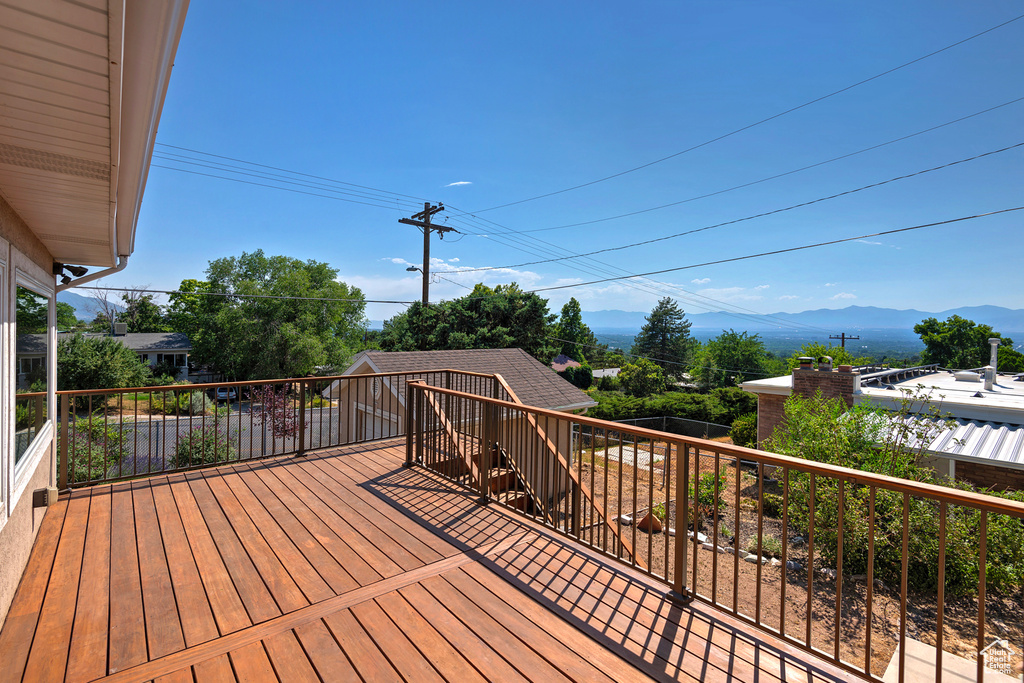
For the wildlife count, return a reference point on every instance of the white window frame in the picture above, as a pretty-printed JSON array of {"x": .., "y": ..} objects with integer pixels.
[{"x": 27, "y": 274}]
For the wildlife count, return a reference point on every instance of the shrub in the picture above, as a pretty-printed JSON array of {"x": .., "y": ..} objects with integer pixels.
[
  {"x": 871, "y": 440},
  {"x": 203, "y": 446},
  {"x": 642, "y": 378},
  {"x": 770, "y": 546},
  {"x": 744, "y": 430},
  {"x": 96, "y": 450},
  {"x": 581, "y": 376},
  {"x": 608, "y": 383}
]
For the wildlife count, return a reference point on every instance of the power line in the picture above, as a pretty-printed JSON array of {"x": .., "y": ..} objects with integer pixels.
[
  {"x": 782, "y": 251},
  {"x": 773, "y": 177},
  {"x": 243, "y": 296},
  {"x": 758, "y": 215},
  {"x": 273, "y": 187},
  {"x": 756, "y": 123},
  {"x": 285, "y": 170}
]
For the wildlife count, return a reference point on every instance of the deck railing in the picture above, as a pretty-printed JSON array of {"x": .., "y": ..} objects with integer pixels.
[
  {"x": 832, "y": 560},
  {"x": 109, "y": 435}
]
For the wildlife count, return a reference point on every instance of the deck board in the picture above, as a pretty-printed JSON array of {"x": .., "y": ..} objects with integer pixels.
[
  {"x": 342, "y": 565},
  {"x": 87, "y": 659}
]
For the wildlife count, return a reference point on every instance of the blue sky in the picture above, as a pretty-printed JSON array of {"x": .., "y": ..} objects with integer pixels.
[{"x": 481, "y": 104}]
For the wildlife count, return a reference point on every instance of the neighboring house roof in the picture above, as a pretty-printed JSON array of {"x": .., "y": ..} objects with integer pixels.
[
  {"x": 562, "y": 361},
  {"x": 534, "y": 383},
  {"x": 607, "y": 372},
  {"x": 35, "y": 344},
  {"x": 989, "y": 425}
]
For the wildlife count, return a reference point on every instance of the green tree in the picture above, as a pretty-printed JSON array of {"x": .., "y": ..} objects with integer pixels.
[
  {"x": 573, "y": 333},
  {"x": 499, "y": 318},
  {"x": 97, "y": 363},
  {"x": 280, "y": 317},
  {"x": 142, "y": 314},
  {"x": 32, "y": 311},
  {"x": 839, "y": 355},
  {"x": 642, "y": 378},
  {"x": 959, "y": 343},
  {"x": 66, "y": 319},
  {"x": 665, "y": 338},
  {"x": 731, "y": 358}
]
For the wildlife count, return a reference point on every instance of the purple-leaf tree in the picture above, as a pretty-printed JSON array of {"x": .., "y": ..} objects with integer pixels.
[{"x": 275, "y": 411}]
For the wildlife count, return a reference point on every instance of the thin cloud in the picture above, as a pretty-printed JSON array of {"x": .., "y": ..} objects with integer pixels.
[
  {"x": 760, "y": 287},
  {"x": 453, "y": 260},
  {"x": 788, "y": 297},
  {"x": 701, "y": 281},
  {"x": 831, "y": 284},
  {"x": 874, "y": 244},
  {"x": 844, "y": 295},
  {"x": 459, "y": 183}
]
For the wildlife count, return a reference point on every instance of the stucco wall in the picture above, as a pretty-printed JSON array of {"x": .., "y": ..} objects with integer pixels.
[
  {"x": 18, "y": 536},
  {"x": 19, "y": 521},
  {"x": 14, "y": 230}
]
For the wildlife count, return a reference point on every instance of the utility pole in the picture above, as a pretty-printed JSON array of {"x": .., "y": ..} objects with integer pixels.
[
  {"x": 842, "y": 338},
  {"x": 422, "y": 221}
]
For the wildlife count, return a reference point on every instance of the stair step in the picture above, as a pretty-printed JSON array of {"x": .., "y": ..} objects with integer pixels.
[{"x": 502, "y": 480}]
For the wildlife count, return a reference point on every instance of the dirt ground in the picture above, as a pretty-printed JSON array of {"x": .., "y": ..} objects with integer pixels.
[{"x": 757, "y": 592}]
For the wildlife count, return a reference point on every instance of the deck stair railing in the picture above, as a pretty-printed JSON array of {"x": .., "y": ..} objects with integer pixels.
[{"x": 846, "y": 564}]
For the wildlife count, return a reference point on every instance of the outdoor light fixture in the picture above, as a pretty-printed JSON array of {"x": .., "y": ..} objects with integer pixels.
[
  {"x": 412, "y": 269},
  {"x": 76, "y": 271}
]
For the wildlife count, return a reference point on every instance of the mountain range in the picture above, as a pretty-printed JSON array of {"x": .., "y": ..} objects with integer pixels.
[
  {"x": 851, "y": 319},
  {"x": 85, "y": 306}
]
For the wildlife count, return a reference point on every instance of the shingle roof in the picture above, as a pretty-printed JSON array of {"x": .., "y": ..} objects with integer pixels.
[
  {"x": 534, "y": 383},
  {"x": 29, "y": 344},
  {"x": 562, "y": 361}
]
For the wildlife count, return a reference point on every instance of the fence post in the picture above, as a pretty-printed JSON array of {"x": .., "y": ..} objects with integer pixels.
[
  {"x": 302, "y": 418},
  {"x": 63, "y": 433},
  {"x": 420, "y": 423}
]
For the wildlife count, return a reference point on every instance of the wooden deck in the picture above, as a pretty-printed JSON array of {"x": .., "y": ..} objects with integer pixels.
[{"x": 343, "y": 565}]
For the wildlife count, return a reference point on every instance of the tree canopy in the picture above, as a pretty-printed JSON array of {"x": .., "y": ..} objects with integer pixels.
[
  {"x": 665, "y": 338},
  {"x": 499, "y": 318},
  {"x": 961, "y": 343},
  {"x": 574, "y": 334},
  {"x": 97, "y": 363},
  {"x": 731, "y": 358},
  {"x": 142, "y": 314},
  {"x": 642, "y": 378},
  {"x": 280, "y": 316},
  {"x": 839, "y": 355}
]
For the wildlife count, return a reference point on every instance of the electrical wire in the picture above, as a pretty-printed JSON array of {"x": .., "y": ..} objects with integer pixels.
[
  {"x": 758, "y": 215},
  {"x": 783, "y": 251},
  {"x": 772, "y": 177},
  {"x": 756, "y": 123},
  {"x": 242, "y": 296}
]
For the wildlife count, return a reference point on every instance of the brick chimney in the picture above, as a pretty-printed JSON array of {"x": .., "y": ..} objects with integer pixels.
[{"x": 839, "y": 383}]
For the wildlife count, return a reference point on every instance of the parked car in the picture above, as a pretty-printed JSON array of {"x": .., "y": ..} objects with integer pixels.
[{"x": 225, "y": 394}]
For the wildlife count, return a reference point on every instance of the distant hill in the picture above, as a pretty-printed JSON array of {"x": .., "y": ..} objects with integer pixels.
[
  {"x": 850, "y": 320},
  {"x": 85, "y": 307}
]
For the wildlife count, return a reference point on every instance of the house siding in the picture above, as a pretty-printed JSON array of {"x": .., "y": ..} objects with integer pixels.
[
  {"x": 19, "y": 520},
  {"x": 990, "y": 476}
]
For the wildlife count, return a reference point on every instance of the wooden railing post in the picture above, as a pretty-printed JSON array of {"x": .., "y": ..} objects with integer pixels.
[
  {"x": 411, "y": 426},
  {"x": 63, "y": 434},
  {"x": 486, "y": 443},
  {"x": 682, "y": 520},
  {"x": 302, "y": 418}
]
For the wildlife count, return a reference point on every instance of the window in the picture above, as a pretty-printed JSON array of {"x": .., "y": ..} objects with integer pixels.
[{"x": 32, "y": 333}]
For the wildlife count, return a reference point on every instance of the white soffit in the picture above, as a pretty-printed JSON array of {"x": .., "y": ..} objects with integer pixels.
[{"x": 81, "y": 88}]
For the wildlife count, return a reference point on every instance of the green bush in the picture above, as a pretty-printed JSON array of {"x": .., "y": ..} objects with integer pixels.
[
  {"x": 744, "y": 430},
  {"x": 581, "y": 376},
  {"x": 180, "y": 402},
  {"x": 97, "y": 450},
  {"x": 608, "y": 383},
  {"x": 770, "y": 546},
  {"x": 203, "y": 446},
  {"x": 871, "y": 440}
]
